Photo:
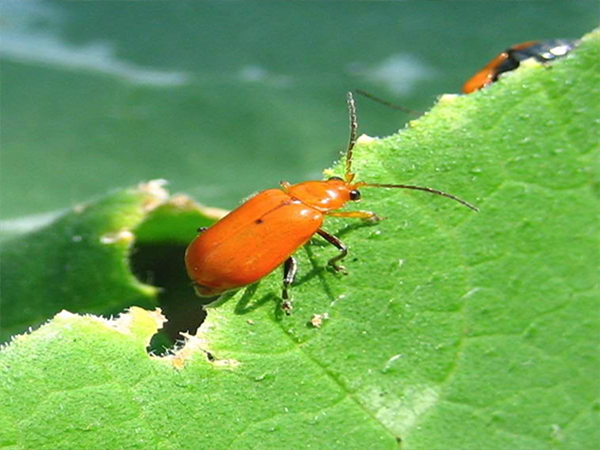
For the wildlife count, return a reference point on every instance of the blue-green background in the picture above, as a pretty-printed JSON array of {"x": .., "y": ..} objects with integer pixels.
[{"x": 226, "y": 98}]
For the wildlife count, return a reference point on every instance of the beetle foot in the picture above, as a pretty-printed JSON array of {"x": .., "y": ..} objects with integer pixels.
[
  {"x": 374, "y": 219},
  {"x": 339, "y": 268},
  {"x": 286, "y": 306}
]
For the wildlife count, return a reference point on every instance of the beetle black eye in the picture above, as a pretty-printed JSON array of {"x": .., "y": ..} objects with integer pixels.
[
  {"x": 336, "y": 178},
  {"x": 354, "y": 195}
]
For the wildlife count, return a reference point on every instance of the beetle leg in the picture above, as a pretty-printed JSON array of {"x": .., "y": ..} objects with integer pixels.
[
  {"x": 290, "y": 267},
  {"x": 285, "y": 185},
  {"x": 365, "y": 215},
  {"x": 340, "y": 246}
]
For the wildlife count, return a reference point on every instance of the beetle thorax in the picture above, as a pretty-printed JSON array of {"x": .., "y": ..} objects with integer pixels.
[{"x": 322, "y": 195}]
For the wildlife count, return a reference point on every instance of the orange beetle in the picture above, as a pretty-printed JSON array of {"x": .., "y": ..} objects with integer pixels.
[
  {"x": 263, "y": 233},
  {"x": 510, "y": 59}
]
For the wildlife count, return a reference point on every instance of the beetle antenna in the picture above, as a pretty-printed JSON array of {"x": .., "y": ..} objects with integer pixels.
[
  {"x": 388, "y": 104},
  {"x": 349, "y": 176},
  {"x": 420, "y": 188}
]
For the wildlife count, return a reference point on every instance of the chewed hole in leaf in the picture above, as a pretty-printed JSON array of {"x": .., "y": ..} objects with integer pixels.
[
  {"x": 156, "y": 264},
  {"x": 157, "y": 259}
]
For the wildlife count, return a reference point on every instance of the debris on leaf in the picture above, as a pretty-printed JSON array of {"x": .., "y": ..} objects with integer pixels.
[{"x": 317, "y": 319}]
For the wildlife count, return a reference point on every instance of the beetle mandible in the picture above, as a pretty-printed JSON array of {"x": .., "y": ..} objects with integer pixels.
[{"x": 263, "y": 233}]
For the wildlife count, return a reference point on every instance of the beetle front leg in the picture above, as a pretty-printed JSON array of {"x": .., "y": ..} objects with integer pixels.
[
  {"x": 340, "y": 246},
  {"x": 365, "y": 215},
  {"x": 290, "y": 267}
]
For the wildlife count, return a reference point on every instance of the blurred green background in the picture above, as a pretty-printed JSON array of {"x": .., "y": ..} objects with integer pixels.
[{"x": 225, "y": 98}]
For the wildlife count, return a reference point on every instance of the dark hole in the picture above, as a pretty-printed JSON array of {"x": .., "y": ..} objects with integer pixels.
[{"x": 162, "y": 265}]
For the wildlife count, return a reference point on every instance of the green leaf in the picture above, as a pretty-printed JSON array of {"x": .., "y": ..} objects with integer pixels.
[
  {"x": 80, "y": 261},
  {"x": 452, "y": 329}
]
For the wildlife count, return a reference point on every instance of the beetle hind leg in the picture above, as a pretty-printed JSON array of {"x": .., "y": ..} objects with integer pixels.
[
  {"x": 333, "y": 262},
  {"x": 290, "y": 267}
]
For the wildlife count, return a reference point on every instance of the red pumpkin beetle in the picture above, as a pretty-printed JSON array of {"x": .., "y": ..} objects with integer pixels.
[{"x": 263, "y": 233}]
